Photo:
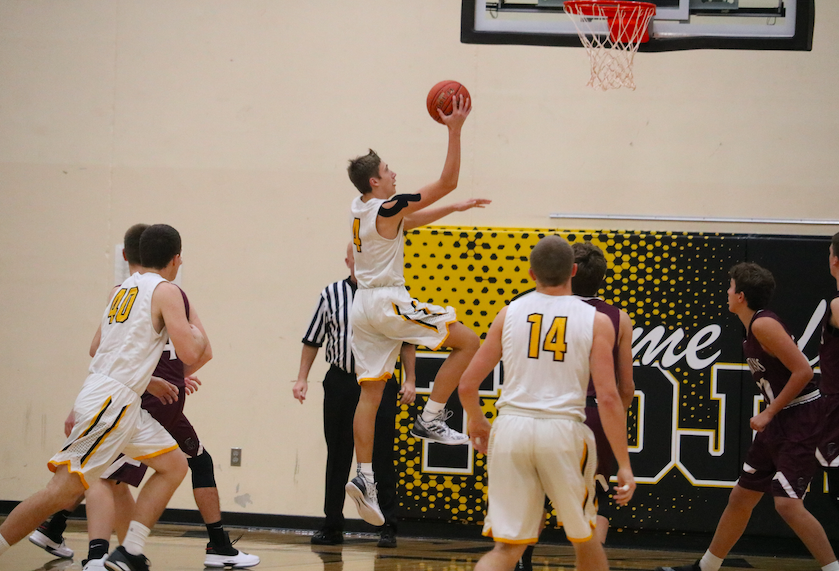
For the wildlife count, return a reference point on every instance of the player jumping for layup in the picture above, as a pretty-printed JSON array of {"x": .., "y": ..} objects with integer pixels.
[{"x": 383, "y": 313}]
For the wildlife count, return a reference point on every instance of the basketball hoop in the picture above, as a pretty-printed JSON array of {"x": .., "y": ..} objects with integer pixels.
[{"x": 611, "y": 31}]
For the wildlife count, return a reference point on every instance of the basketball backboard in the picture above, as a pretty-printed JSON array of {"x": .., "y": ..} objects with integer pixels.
[{"x": 677, "y": 25}]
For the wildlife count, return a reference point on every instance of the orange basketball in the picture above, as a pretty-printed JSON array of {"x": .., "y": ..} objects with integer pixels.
[{"x": 441, "y": 97}]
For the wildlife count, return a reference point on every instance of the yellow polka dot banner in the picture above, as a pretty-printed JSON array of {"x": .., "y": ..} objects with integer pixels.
[{"x": 688, "y": 424}]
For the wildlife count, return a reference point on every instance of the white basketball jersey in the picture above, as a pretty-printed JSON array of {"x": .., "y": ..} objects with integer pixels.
[
  {"x": 546, "y": 348},
  {"x": 129, "y": 347},
  {"x": 378, "y": 261}
]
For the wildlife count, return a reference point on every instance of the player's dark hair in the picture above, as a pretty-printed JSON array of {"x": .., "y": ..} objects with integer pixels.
[
  {"x": 835, "y": 243},
  {"x": 591, "y": 269},
  {"x": 552, "y": 260},
  {"x": 131, "y": 243},
  {"x": 362, "y": 169},
  {"x": 755, "y": 282},
  {"x": 159, "y": 243}
]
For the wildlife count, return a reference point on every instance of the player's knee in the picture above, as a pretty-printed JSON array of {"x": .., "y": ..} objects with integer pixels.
[
  {"x": 788, "y": 508},
  {"x": 468, "y": 341},
  {"x": 203, "y": 473},
  {"x": 175, "y": 465}
]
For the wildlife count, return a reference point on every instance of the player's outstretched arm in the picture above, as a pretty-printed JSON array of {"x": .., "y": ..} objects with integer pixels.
[
  {"x": 623, "y": 370},
  {"x": 430, "y": 215},
  {"x": 168, "y": 310},
  {"x": 774, "y": 339},
  {"x": 612, "y": 413},
  {"x": 190, "y": 370},
  {"x": 481, "y": 365},
  {"x": 433, "y": 192}
]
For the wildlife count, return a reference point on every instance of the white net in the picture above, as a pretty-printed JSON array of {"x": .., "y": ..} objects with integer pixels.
[{"x": 611, "y": 33}]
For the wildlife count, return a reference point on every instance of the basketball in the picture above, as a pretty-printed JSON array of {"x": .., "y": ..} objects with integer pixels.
[{"x": 441, "y": 97}]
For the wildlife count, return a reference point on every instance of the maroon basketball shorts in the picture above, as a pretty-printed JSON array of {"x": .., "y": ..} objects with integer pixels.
[
  {"x": 781, "y": 460},
  {"x": 171, "y": 417},
  {"x": 827, "y": 452}
]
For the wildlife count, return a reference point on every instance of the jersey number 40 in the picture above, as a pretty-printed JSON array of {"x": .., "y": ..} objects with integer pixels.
[{"x": 122, "y": 304}]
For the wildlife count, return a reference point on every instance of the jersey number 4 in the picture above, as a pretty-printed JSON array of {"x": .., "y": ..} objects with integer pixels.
[
  {"x": 554, "y": 341},
  {"x": 356, "y": 239},
  {"x": 122, "y": 304}
]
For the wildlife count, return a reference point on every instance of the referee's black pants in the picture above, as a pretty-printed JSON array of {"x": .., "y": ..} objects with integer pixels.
[{"x": 340, "y": 397}]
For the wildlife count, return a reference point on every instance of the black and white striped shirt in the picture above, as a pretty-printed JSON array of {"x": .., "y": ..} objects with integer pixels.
[{"x": 332, "y": 321}]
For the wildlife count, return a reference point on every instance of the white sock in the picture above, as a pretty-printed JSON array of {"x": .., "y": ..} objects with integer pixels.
[
  {"x": 135, "y": 540},
  {"x": 367, "y": 471},
  {"x": 831, "y": 566},
  {"x": 4, "y": 545},
  {"x": 432, "y": 409},
  {"x": 710, "y": 562}
]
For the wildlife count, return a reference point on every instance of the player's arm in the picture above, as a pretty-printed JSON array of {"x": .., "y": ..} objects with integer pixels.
[
  {"x": 169, "y": 311},
  {"x": 775, "y": 340},
  {"x": 97, "y": 337},
  {"x": 612, "y": 413},
  {"x": 190, "y": 370},
  {"x": 482, "y": 364},
  {"x": 431, "y": 215},
  {"x": 834, "y": 313},
  {"x": 623, "y": 370},
  {"x": 307, "y": 357},
  {"x": 393, "y": 211},
  {"x": 408, "y": 391}
]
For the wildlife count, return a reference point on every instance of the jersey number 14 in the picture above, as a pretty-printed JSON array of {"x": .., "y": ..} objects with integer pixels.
[{"x": 554, "y": 341}]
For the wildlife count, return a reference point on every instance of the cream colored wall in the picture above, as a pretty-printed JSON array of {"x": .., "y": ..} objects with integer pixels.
[{"x": 233, "y": 122}]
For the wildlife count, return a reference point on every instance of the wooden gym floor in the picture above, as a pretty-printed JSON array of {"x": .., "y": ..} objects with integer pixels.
[{"x": 181, "y": 548}]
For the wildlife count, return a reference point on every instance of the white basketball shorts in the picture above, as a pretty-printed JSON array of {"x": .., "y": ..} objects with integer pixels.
[
  {"x": 383, "y": 318},
  {"x": 529, "y": 458},
  {"x": 109, "y": 420}
]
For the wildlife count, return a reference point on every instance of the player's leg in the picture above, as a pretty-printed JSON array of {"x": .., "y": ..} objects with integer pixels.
[
  {"x": 50, "y": 534},
  {"x": 515, "y": 504},
  {"x": 151, "y": 444},
  {"x": 362, "y": 488},
  {"x": 61, "y": 491},
  {"x": 730, "y": 528},
  {"x": 220, "y": 551},
  {"x": 104, "y": 512},
  {"x": 383, "y": 462},
  {"x": 431, "y": 424},
  {"x": 590, "y": 555},
  {"x": 503, "y": 557},
  {"x": 123, "y": 507},
  {"x": 169, "y": 471},
  {"x": 807, "y": 528}
]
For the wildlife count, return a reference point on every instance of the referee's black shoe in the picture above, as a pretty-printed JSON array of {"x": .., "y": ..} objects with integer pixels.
[{"x": 327, "y": 537}]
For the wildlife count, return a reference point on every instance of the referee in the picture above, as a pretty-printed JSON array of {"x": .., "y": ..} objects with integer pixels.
[{"x": 331, "y": 322}]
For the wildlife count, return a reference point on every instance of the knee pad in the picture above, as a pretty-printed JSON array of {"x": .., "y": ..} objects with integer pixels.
[{"x": 203, "y": 474}]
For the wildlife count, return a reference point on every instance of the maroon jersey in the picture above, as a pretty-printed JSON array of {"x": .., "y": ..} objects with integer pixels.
[
  {"x": 170, "y": 368},
  {"x": 767, "y": 370},
  {"x": 614, "y": 315},
  {"x": 829, "y": 355}
]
